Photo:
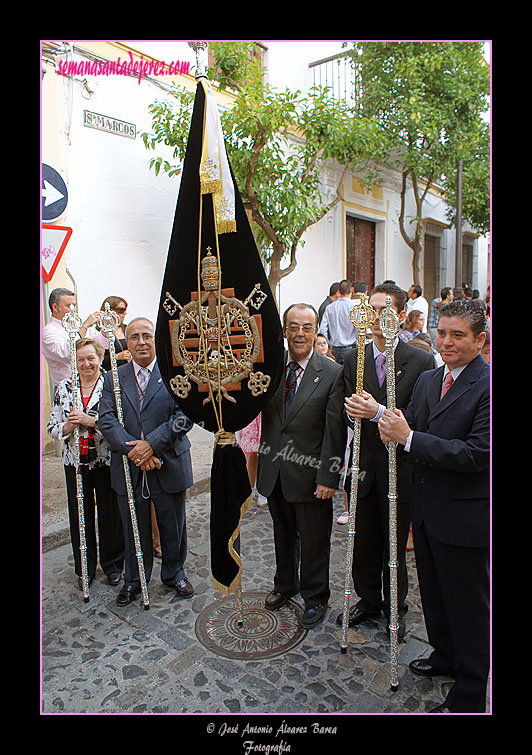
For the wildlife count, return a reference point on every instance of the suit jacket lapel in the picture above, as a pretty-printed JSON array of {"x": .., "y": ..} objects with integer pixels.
[
  {"x": 308, "y": 384},
  {"x": 371, "y": 382},
  {"x": 153, "y": 387},
  {"x": 459, "y": 387},
  {"x": 128, "y": 384},
  {"x": 279, "y": 395},
  {"x": 434, "y": 390},
  {"x": 401, "y": 359}
]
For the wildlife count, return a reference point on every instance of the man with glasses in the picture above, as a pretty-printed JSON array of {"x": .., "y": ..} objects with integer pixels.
[
  {"x": 300, "y": 459},
  {"x": 154, "y": 438}
]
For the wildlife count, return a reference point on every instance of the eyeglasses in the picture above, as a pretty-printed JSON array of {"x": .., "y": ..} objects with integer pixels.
[
  {"x": 305, "y": 328},
  {"x": 136, "y": 336}
]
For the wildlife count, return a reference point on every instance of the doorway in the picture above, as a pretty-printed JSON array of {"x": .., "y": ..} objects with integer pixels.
[{"x": 360, "y": 251}]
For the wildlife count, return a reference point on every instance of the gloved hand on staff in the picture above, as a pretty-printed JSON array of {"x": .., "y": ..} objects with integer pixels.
[{"x": 142, "y": 455}]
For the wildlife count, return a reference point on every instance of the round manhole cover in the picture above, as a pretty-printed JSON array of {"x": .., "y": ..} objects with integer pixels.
[{"x": 263, "y": 634}]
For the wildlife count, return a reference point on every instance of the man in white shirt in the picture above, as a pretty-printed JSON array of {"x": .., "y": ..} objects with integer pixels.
[
  {"x": 336, "y": 325},
  {"x": 417, "y": 301},
  {"x": 55, "y": 339}
]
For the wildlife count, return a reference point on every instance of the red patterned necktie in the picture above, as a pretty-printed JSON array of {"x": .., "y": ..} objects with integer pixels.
[{"x": 446, "y": 384}]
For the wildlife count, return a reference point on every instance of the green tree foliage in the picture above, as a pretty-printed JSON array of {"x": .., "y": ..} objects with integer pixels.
[{"x": 430, "y": 99}]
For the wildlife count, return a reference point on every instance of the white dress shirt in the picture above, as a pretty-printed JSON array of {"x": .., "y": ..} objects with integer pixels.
[
  {"x": 457, "y": 371},
  {"x": 421, "y": 304},
  {"x": 56, "y": 348},
  {"x": 302, "y": 363}
]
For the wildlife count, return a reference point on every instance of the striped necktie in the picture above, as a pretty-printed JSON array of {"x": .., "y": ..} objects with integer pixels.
[{"x": 143, "y": 377}]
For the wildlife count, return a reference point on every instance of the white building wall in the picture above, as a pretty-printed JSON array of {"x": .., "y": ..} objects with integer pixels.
[{"x": 120, "y": 211}]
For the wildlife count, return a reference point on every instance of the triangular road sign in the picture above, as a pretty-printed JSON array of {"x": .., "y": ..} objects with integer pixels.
[{"x": 54, "y": 239}]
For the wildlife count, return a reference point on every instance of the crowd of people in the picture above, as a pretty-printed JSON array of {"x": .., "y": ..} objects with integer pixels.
[{"x": 298, "y": 454}]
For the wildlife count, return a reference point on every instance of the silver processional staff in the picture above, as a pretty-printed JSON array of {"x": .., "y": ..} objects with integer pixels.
[
  {"x": 72, "y": 323},
  {"x": 389, "y": 325},
  {"x": 108, "y": 322},
  {"x": 362, "y": 317}
]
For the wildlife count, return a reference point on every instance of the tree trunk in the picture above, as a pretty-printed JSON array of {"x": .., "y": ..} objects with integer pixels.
[
  {"x": 415, "y": 242},
  {"x": 277, "y": 273}
]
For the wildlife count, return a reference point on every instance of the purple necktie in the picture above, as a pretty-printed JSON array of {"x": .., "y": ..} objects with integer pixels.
[{"x": 381, "y": 368}]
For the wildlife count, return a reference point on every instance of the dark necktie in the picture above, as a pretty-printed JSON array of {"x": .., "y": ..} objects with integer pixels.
[{"x": 290, "y": 384}]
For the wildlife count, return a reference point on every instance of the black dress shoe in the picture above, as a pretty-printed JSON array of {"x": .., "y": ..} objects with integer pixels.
[
  {"x": 276, "y": 599},
  {"x": 440, "y": 709},
  {"x": 423, "y": 667},
  {"x": 183, "y": 588},
  {"x": 127, "y": 594},
  {"x": 356, "y": 616},
  {"x": 114, "y": 578},
  {"x": 314, "y": 615}
]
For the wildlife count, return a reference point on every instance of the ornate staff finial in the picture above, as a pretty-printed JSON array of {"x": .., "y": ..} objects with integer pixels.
[
  {"x": 362, "y": 317},
  {"x": 71, "y": 321},
  {"x": 388, "y": 320},
  {"x": 108, "y": 320},
  {"x": 200, "y": 48}
]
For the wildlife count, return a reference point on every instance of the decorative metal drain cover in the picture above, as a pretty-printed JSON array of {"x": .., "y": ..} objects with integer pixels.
[{"x": 264, "y": 633}]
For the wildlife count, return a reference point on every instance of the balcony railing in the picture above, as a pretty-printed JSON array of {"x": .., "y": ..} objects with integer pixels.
[{"x": 337, "y": 73}]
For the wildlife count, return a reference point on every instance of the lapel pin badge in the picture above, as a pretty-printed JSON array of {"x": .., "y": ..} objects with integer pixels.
[{"x": 316, "y": 379}]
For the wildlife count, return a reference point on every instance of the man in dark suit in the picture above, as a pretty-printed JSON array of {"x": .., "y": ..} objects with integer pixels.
[
  {"x": 446, "y": 432},
  {"x": 300, "y": 458},
  {"x": 154, "y": 439},
  {"x": 371, "y": 574}
]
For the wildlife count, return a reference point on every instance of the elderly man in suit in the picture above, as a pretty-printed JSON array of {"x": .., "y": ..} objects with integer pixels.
[
  {"x": 371, "y": 547},
  {"x": 154, "y": 438},
  {"x": 300, "y": 458},
  {"x": 446, "y": 432}
]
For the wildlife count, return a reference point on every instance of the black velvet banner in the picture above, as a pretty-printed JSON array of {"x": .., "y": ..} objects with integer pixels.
[
  {"x": 230, "y": 499},
  {"x": 194, "y": 234}
]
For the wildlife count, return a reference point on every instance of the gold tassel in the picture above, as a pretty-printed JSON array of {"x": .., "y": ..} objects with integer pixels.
[{"x": 228, "y": 589}]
